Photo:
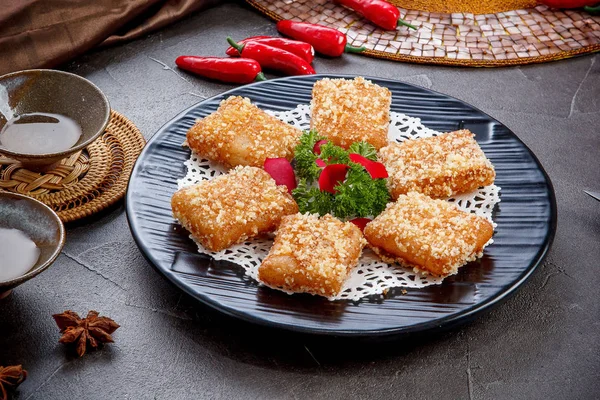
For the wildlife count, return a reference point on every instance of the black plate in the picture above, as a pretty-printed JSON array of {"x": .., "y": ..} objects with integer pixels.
[{"x": 526, "y": 220}]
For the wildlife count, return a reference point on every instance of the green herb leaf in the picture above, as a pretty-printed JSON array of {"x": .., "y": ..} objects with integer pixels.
[
  {"x": 333, "y": 154},
  {"x": 364, "y": 149},
  {"x": 359, "y": 195},
  {"x": 310, "y": 199},
  {"x": 305, "y": 158}
]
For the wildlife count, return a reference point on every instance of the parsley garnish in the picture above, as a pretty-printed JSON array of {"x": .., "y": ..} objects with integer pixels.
[
  {"x": 333, "y": 154},
  {"x": 305, "y": 158},
  {"x": 311, "y": 199},
  {"x": 364, "y": 149},
  {"x": 358, "y": 196}
]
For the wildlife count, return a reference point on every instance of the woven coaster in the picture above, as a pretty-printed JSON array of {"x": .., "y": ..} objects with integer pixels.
[
  {"x": 86, "y": 182},
  {"x": 513, "y": 37}
]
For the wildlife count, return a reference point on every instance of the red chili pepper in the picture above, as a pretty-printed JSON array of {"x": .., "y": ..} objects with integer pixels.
[
  {"x": 568, "y": 3},
  {"x": 325, "y": 40},
  {"x": 317, "y": 146},
  {"x": 360, "y": 222},
  {"x": 273, "y": 58},
  {"x": 281, "y": 171},
  {"x": 331, "y": 176},
  {"x": 301, "y": 49},
  {"x": 320, "y": 163},
  {"x": 234, "y": 70},
  {"x": 379, "y": 12},
  {"x": 375, "y": 169}
]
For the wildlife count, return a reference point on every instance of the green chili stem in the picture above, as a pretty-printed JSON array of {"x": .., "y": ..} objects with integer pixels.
[
  {"x": 260, "y": 77},
  {"x": 402, "y": 22},
  {"x": 354, "y": 49},
  {"x": 232, "y": 43},
  {"x": 592, "y": 9}
]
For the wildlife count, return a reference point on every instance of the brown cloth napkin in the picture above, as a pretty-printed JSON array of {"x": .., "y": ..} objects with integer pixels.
[{"x": 46, "y": 33}]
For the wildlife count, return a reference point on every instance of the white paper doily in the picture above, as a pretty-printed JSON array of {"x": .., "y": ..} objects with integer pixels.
[{"x": 371, "y": 276}]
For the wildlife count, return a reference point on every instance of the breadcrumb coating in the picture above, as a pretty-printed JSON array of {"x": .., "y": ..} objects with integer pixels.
[
  {"x": 240, "y": 133},
  {"x": 348, "y": 111},
  {"x": 432, "y": 236},
  {"x": 440, "y": 166},
  {"x": 232, "y": 208},
  {"x": 312, "y": 255}
]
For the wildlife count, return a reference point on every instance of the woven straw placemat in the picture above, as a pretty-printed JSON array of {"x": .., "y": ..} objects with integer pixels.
[
  {"x": 489, "y": 35},
  {"x": 86, "y": 182},
  {"x": 465, "y": 6}
]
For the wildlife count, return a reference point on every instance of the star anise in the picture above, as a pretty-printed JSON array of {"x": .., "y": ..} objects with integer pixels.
[
  {"x": 91, "y": 330},
  {"x": 10, "y": 377}
]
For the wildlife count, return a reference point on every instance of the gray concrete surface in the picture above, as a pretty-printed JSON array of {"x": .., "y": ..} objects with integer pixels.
[{"x": 542, "y": 343}]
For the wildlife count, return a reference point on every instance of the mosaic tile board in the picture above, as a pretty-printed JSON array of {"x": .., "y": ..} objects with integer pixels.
[{"x": 513, "y": 37}]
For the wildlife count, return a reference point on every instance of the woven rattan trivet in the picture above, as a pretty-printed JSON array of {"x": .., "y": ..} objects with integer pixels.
[
  {"x": 487, "y": 36},
  {"x": 89, "y": 180}
]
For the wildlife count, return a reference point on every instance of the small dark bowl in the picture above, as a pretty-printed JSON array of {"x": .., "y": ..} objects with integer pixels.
[
  {"x": 57, "y": 92},
  {"x": 37, "y": 221}
]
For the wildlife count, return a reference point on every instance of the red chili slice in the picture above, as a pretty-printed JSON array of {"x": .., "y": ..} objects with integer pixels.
[
  {"x": 281, "y": 170},
  {"x": 331, "y": 176},
  {"x": 317, "y": 146},
  {"x": 375, "y": 169},
  {"x": 360, "y": 222},
  {"x": 320, "y": 163}
]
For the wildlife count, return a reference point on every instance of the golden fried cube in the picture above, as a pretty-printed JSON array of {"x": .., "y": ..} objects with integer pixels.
[
  {"x": 239, "y": 133},
  {"x": 312, "y": 255},
  {"x": 431, "y": 236},
  {"x": 232, "y": 208},
  {"x": 348, "y": 111},
  {"x": 440, "y": 166}
]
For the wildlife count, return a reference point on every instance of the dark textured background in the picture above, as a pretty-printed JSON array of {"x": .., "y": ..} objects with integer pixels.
[{"x": 542, "y": 343}]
